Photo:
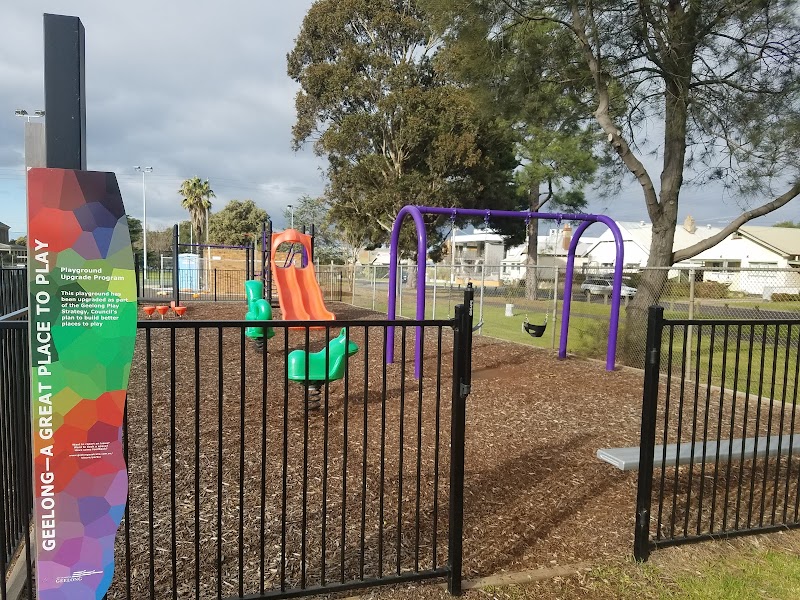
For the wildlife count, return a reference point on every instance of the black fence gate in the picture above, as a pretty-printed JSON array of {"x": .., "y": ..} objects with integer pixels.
[
  {"x": 284, "y": 470},
  {"x": 720, "y": 453}
]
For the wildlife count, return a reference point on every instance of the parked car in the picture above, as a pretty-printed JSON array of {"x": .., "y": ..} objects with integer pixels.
[{"x": 603, "y": 287}]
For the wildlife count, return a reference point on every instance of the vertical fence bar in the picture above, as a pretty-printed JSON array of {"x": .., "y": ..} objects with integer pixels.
[
  {"x": 665, "y": 433},
  {"x": 435, "y": 528},
  {"x": 242, "y": 425},
  {"x": 641, "y": 543},
  {"x": 197, "y": 412},
  {"x": 462, "y": 344},
  {"x": 220, "y": 446},
  {"x": 791, "y": 430},
  {"x": 781, "y": 422},
  {"x": 364, "y": 453},
  {"x": 173, "y": 462},
  {"x": 150, "y": 447},
  {"x": 710, "y": 368}
]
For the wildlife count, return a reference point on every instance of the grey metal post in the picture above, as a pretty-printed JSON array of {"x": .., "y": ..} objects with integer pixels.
[
  {"x": 400, "y": 291},
  {"x": 176, "y": 289},
  {"x": 555, "y": 306},
  {"x": 374, "y": 282},
  {"x": 433, "y": 314},
  {"x": 689, "y": 328},
  {"x": 483, "y": 286}
]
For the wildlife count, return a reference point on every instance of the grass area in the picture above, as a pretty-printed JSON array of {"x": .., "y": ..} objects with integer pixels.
[
  {"x": 588, "y": 336},
  {"x": 743, "y": 571},
  {"x": 769, "y": 362}
]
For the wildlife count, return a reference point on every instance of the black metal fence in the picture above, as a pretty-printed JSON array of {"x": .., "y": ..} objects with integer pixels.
[
  {"x": 720, "y": 453},
  {"x": 15, "y": 447},
  {"x": 219, "y": 285},
  {"x": 283, "y": 470},
  {"x": 13, "y": 289}
]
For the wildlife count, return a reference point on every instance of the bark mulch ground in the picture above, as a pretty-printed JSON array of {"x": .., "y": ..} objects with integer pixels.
[{"x": 535, "y": 494}]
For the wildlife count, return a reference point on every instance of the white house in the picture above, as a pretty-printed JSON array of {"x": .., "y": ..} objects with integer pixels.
[
  {"x": 553, "y": 249},
  {"x": 636, "y": 239},
  {"x": 747, "y": 260}
]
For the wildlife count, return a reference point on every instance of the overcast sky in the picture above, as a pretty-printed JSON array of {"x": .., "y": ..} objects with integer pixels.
[{"x": 200, "y": 88}]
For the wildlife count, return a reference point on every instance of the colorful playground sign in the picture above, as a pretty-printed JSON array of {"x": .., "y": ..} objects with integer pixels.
[{"x": 82, "y": 330}]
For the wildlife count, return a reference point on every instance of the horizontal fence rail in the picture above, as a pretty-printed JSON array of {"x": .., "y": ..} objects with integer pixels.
[
  {"x": 220, "y": 285},
  {"x": 720, "y": 448},
  {"x": 273, "y": 469}
]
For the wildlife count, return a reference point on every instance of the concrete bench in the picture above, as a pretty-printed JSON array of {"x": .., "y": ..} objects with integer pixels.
[{"x": 627, "y": 459}]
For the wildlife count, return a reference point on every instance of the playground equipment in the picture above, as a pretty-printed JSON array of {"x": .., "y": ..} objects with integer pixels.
[
  {"x": 323, "y": 367},
  {"x": 149, "y": 310},
  {"x": 416, "y": 213},
  {"x": 258, "y": 309},
  {"x": 534, "y": 330},
  {"x": 299, "y": 294},
  {"x": 162, "y": 309}
]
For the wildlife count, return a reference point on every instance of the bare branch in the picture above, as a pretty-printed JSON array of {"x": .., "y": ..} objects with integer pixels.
[{"x": 734, "y": 225}]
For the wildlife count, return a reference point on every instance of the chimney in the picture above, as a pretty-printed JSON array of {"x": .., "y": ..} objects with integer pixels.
[{"x": 567, "y": 236}]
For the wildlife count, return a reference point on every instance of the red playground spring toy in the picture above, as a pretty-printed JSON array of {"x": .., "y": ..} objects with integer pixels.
[
  {"x": 162, "y": 310},
  {"x": 179, "y": 310},
  {"x": 149, "y": 310}
]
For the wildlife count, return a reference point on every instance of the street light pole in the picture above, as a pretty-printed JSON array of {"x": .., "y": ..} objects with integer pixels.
[
  {"x": 144, "y": 171},
  {"x": 291, "y": 212}
]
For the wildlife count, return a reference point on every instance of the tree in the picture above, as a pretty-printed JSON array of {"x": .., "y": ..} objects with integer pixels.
[
  {"x": 197, "y": 195},
  {"x": 788, "y": 224},
  {"x": 135, "y": 228},
  {"x": 514, "y": 72},
  {"x": 308, "y": 211},
  {"x": 394, "y": 129},
  {"x": 720, "y": 78},
  {"x": 21, "y": 241},
  {"x": 238, "y": 223}
]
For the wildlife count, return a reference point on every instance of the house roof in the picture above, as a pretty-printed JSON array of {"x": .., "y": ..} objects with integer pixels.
[
  {"x": 4, "y": 226},
  {"x": 479, "y": 235},
  {"x": 783, "y": 240},
  {"x": 641, "y": 234}
]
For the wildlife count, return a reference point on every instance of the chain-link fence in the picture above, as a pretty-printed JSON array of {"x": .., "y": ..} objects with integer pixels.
[{"x": 504, "y": 303}]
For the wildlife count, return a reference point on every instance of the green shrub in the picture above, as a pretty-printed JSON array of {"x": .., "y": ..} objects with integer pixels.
[
  {"x": 702, "y": 289},
  {"x": 785, "y": 298}
]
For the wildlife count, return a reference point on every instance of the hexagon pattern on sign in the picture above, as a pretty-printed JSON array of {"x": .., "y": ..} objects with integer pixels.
[{"x": 83, "y": 328}]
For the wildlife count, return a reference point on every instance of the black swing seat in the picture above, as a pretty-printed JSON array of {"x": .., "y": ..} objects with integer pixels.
[{"x": 534, "y": 330}]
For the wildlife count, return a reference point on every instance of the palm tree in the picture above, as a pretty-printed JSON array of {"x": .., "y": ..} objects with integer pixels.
[{"x": 197, "y": 196}]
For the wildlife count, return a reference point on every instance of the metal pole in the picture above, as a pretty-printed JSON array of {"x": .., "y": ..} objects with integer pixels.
[
  {"x": 400, "y": 291},
  {"x": 483, "y": 286},
  {"x": 374, "y": 282},
  {"x": 689, "y": 328},
  {"x": 555, "y": 307},
  {"x": 433, "y": 313},
  {"x": 176, "y": 290},
  {"x": 462, "y": 348},
  {"x": 268, "y": 259},
  {"x": 641, "y": 544}
]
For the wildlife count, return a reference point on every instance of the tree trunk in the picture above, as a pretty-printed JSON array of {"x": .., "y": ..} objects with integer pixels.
[
  {"x": 665, "y": 220},
  {"x": 532, "y": 261}
]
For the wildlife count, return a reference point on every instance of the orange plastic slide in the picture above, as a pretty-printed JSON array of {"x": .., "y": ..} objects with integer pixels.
[{"x": 299, "y": 294}]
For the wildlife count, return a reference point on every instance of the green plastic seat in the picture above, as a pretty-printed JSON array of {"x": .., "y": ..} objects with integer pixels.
[
  {"x": 258, "y": 309},
  {"x": 296, "y": 361}
]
